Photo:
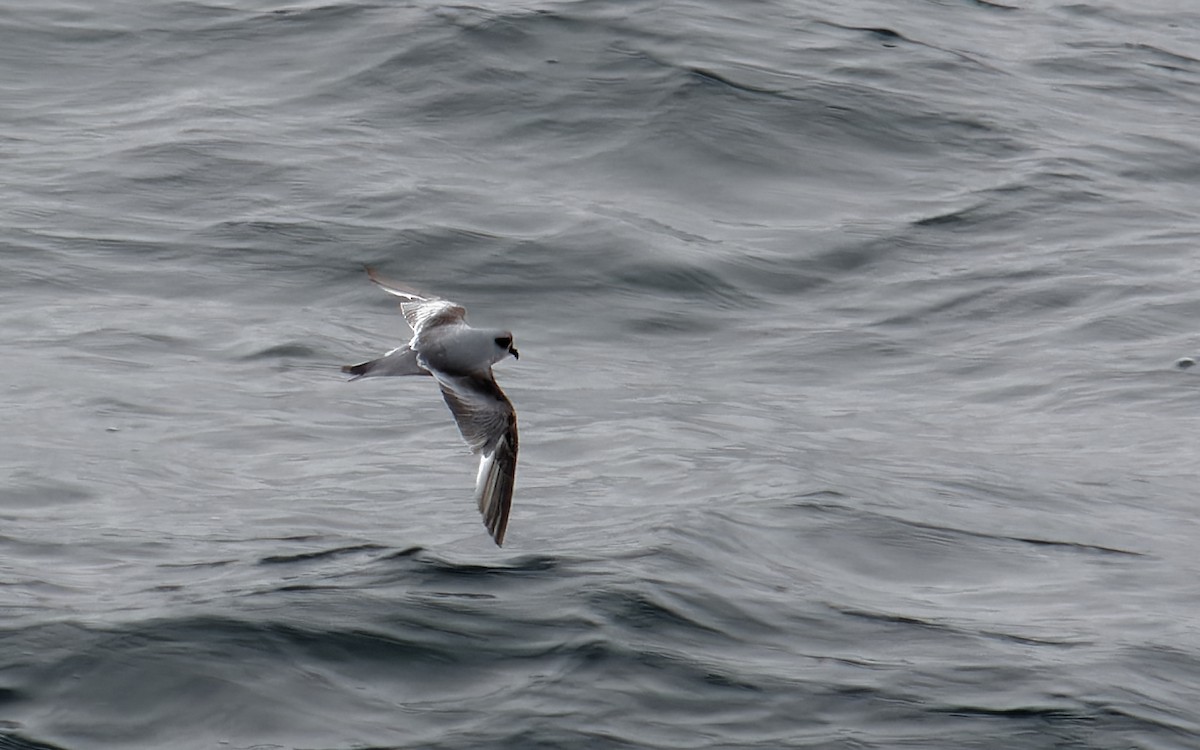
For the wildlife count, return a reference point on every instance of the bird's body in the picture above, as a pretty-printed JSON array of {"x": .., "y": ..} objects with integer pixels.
[{"x": 460, "y": 359}]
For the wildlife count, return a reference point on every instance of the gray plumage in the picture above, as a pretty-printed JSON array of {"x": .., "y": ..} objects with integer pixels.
[{"x": 460, "y": 359}]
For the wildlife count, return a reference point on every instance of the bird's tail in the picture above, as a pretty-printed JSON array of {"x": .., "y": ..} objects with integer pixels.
[{"x": 402, "y": 361}]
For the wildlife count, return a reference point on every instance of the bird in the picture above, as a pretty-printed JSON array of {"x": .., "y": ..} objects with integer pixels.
[{"x": 460, "y": 359}]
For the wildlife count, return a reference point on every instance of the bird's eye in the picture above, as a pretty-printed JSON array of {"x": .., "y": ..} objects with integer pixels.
[{"x": 504, "y": 342}]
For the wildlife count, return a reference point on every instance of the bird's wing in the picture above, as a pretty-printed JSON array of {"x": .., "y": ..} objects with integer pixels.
[
  {"x": 421, "y": 310},
  {"x": 494, "y": 485},
  {"x": 488, "y": 424}
]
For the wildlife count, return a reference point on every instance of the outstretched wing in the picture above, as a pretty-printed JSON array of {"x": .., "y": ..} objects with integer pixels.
[
  {"x": 421, "y": 310},
  {"x": 488, "y": 424},
  {"x": 494, "y": 485}
]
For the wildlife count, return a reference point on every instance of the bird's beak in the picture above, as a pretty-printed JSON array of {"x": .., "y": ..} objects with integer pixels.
[{"x": 515, "y": 353}]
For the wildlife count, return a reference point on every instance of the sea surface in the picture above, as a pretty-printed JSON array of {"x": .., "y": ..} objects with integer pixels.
[{"x": 849, "y": 407}]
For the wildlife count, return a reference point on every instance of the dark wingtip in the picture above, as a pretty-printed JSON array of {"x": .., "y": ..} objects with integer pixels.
[{"x": 495, "y": 518}]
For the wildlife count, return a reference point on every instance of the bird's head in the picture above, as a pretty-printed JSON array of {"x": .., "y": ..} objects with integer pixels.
[{"x": 504, "y": 347}]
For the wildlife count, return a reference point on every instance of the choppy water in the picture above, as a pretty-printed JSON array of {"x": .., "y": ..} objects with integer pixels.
[{"x": 848, "y": 411}]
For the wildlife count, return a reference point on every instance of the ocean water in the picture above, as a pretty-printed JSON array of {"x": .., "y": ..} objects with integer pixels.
[{"x": 847, "y": 394}]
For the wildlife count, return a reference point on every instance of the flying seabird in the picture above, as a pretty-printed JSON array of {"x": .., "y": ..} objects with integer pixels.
[{"x": 460, "y": 358}]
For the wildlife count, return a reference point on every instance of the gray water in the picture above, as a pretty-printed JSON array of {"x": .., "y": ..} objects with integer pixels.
[{"x": 848, "y": 410}]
